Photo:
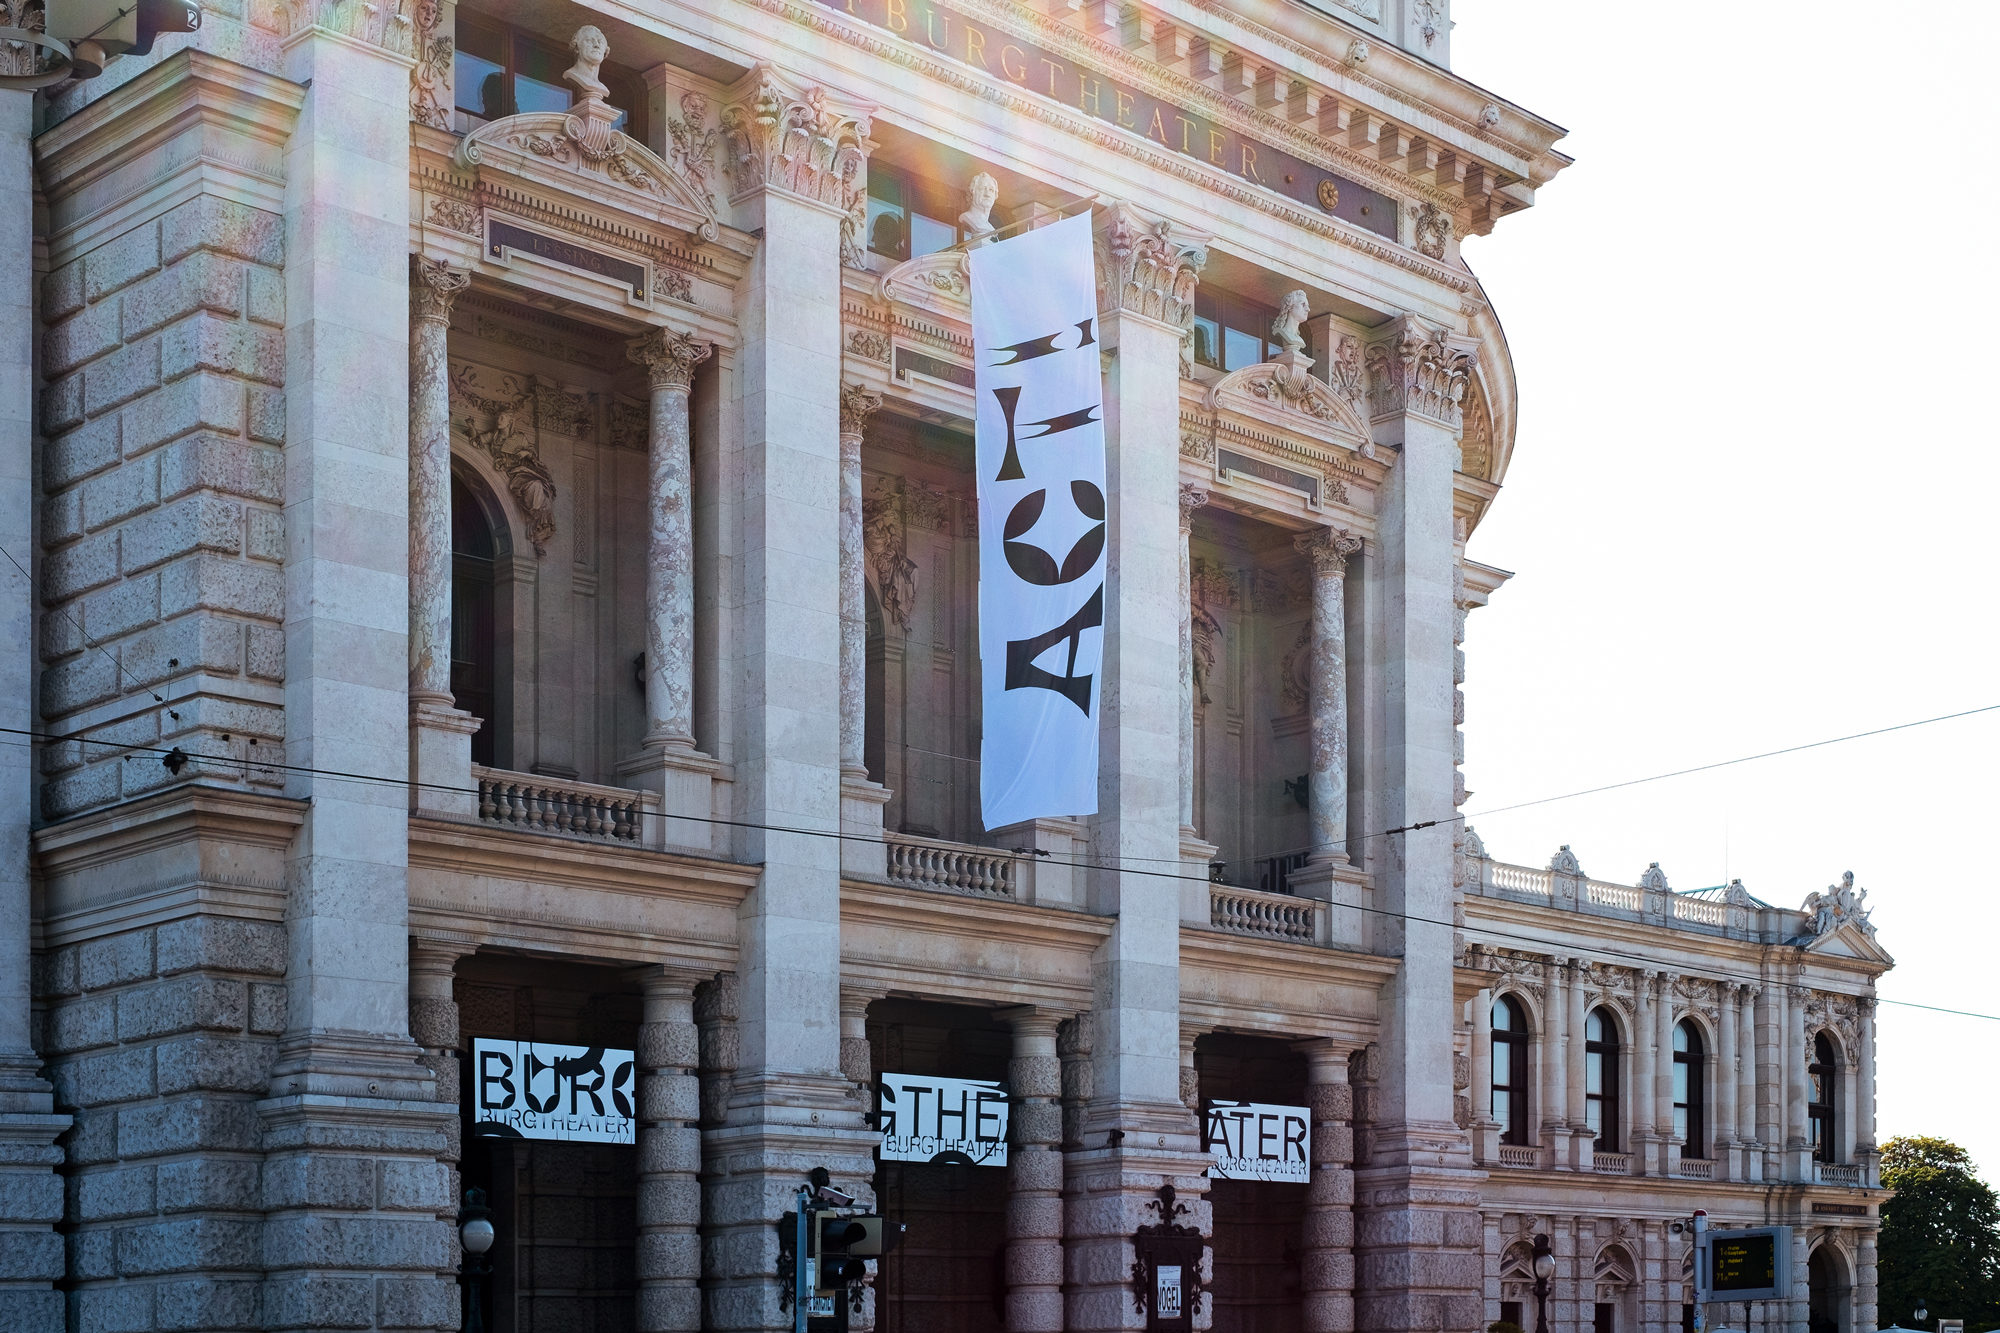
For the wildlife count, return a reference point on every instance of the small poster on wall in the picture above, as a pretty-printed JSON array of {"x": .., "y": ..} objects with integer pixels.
[
  {"x": 925, "y": 1119},
  {"x": 1259, "y": 1141},
  {"x": 543, "y": 1090}
]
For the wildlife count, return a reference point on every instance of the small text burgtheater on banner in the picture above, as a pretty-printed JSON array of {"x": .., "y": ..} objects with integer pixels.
[{"x": 1039, "y": 428}]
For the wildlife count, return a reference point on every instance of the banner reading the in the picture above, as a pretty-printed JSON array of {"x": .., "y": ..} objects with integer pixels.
[{"x": 1039, "y": 433}]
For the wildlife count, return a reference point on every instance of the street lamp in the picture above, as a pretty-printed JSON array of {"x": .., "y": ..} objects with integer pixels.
[
  {"x": 1545, "y": 1268},
  {"x": 1922, "y": 1312},
  {"x": 475, "y": 1235}
]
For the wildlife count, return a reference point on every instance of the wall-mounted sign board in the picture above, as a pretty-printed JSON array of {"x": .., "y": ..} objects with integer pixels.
[
  {"x": 1747, "y": 1264},
  {"x": 925, "y": 1119},
  {"x": 543, "y": 1090},
  {"x": 1258, "y": 1141}
]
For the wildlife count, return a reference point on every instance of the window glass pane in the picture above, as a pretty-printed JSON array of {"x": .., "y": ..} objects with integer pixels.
[
  {"x": 1207, "y": 337},
  {"x": 1593, "y": 1118},
  {"x": 534, "y": 95},
  {"x": 1240, "y": 349},
  {"x": 1681, "y": 1037},
  {"x": 1681, "y": 1083},
  {"x": 1593, "y": 1072},
  {"x": 1502, "y": 1105},
  {"x": 1503, "y": 1074},
  {"x": 885, "y": 229},
  {"x": 1502, "y": 1016},
  {"x": 928, "y": 235},
  {"x": 1680, "y": 1122},
  {"x": 479, "y": 86},
  {"x": 1593, "y": 1027}
]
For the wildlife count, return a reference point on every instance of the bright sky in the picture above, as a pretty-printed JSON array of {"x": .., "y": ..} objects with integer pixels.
[{"x": 1752, "y": 489}]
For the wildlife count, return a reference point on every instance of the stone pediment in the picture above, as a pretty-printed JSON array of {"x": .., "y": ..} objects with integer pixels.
[
  {"x": 578, "y": 150},
  {"x": 1301, "y": 400},
  {"x": 940, "y": 283},
  {"x": 1851, "y": 941}
]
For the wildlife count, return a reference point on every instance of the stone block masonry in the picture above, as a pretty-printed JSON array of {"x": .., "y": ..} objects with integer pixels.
[{"x": 162, "y": 526}]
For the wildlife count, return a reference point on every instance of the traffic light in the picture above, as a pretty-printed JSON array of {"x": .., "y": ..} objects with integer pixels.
[
  {"x": 97, "y": 30},
  {"x": 835, "y": 1260}
]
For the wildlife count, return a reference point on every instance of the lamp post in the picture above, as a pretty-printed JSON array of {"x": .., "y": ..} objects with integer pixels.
[
  {"x": 1545, "y": 1268},
  {"x": 1922, "y": 1313},
  {"x": 475, "y": 1235}
]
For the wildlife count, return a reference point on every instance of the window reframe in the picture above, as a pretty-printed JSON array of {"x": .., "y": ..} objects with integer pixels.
[
  {"x": 1691, "y": 1090},
  {"x": 1608, "y": 1051},
  {"x": 1515, "y": 1037},
  {"x": 1823, "y": 1100}
]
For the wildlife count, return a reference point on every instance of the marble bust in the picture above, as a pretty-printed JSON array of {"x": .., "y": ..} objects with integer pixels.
[
  {"x": 981, "y": 193},
  {"x": 1292, "y": 312},
  {"x": 590, "y": 48}
]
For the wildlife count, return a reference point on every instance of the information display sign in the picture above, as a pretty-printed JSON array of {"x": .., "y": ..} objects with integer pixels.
[
  {"x": 1750, "y": 1264},
  {"x": 543, "y": 1090},
  {"x": 926, "y": 1119},
  {"x": 1258, "y": 1141}
]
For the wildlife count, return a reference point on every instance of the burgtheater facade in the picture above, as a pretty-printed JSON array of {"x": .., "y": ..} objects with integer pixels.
[{"x": 498, "y": 490}]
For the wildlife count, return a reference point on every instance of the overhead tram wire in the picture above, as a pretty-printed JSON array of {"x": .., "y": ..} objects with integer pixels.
[{"x": 1408, "y": 918}]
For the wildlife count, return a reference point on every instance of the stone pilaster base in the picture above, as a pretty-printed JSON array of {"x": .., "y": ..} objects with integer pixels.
[
  {"x": 1049, "y": 875},
  {"x": 1418, "y": 1260},
  {"x": 357, "y": 1211},
  {"x": 31, "y": 1200},
  {"x": 1345, "y": 889},
  {"x": 1109, "y": 1192},
  {"x": 683, "y": 779},
  {"x": 1195, "y": 858},
  {"x": 862, "y": 852},
  {"x": 1327, "y": 1264},
  {"x": 777, "y": 1131},
  {"x": 441, "y": 761}
]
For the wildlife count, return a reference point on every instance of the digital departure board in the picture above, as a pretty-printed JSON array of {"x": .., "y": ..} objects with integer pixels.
[{"x": 1748, "y": 1265}]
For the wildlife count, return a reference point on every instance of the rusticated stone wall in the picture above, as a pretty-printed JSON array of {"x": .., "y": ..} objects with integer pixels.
[{"x": 162, "y": 528}]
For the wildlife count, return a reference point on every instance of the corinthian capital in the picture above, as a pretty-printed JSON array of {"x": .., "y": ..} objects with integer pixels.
[
  {"x": 1192, "y": 498},
  {"x": 1144, "y": 268},
  {"x": 1327, "y": 549},
  {"x": 433, "y": 284},
  {"x": 857, "y": 404},
  {"x": 805, "y": 142},
  {"x": 1419, "y": 370},
  {"x": 669, "y": 357}
]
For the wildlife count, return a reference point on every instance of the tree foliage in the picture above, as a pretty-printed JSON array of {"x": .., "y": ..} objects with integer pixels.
[{"x": 1940, "y": 1242}]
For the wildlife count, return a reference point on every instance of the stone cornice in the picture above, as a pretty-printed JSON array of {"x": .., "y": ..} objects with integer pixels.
[
  {"x": 829, "y": 23},
  {"x": 473, "y": 849}
]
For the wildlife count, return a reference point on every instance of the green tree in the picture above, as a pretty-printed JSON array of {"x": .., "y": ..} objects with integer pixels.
[{"x": 1940, "y": 1242}]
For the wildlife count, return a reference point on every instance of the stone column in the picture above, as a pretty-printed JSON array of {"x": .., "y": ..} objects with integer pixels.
[
  {"x": 671, "y": 358},
  {"x": 1326, "y": 550},
  {"x": 861, "y": 801},
  {"x": 1192, "y": 498},
  {"x": 1866, "y": 1279},
  {"x": 31, "y": 1194},
  {"x": 1641, "y": 1114},
  {"x": 669, "y": 1144},
  {"x": 1663, "y": 1079},
  {"x": 1034, "y": 1175},
  {"x": 1583, "y": 1145},
  {"x": 1746, "y": 1082},
  {"x": 794, "y": 158},
  {"x": 1485, "y": 1141},
  {"x": 1418, "y": 1181},
  {"x": 1146, "y": 277},
  {"x": 434, "y": 1027},
  {"x": 1327, "y": 1263},
  {"x": 1792, "y": 1047},
  {"x": 1554, "y": 1109},
  {"x": 1723, "y": 1085},
  {"x": 441, "y": 734}
]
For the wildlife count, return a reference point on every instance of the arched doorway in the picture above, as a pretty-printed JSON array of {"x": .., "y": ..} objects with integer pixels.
[
  {"x": 475, "y": 670},
  {"x": 1826, "y": 1281}
]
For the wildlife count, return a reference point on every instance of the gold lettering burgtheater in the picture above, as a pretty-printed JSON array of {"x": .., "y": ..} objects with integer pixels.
[{"x": 1180, "y": 129}]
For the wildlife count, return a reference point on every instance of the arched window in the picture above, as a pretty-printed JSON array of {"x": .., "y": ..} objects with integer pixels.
[
  {"x": 1822, "y": 1083},
  {"x": 1600, "y": 1079},
  {"x": 1690, "y": 1091},
  {"x": 473, "y": 672},
  {"x": 1510, "y": 1070}
]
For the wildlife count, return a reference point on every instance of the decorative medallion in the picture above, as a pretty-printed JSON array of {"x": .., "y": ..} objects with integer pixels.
[{"x": 1329, "y": 194}]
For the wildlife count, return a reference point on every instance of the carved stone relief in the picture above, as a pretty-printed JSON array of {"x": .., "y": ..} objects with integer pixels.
[
  {"x": 430, "y": 77},
  {"x": 884, "y": 538},
  {"x": 1433, "y": 227},
  {"x": 500, "y": 422}
]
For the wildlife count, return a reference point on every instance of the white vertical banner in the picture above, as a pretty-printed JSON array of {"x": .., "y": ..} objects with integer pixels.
[{"x": 1039, "y": 430}]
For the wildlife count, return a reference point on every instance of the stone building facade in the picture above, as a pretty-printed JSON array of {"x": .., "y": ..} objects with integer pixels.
[{"x": 491, "y": 549}]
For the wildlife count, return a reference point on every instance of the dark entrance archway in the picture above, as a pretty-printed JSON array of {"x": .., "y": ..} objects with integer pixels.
[
  {"x": 1259, "y": 1226},
  {"x": 1826, "y": 1280}
]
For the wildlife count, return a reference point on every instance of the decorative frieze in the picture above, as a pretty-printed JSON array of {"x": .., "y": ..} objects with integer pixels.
[
  {"x": 1143, "y": 268},
  {"x": 1417, "y": 370},
  {"x": 807, "y": 143}
]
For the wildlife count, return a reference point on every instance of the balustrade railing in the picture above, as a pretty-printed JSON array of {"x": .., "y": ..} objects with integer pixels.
[
  {"x": 1623, "y": 897},
  {"x": 1520, "y": 1154},
  {"x": 1700, "y": 911},
  {"x": 1696, "y": 1168},
  {"x": 927, "y": 863},
  {"x": 1611, "y": 1163},
  {"x": 1837, "y": 1173},
  {"x": 1269, "y": 915},
  {"x": 1518, "y": 879},
  {"x": 534, "y": 804}
]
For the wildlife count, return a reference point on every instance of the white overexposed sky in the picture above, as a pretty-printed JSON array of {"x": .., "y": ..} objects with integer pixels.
[{"x": 1750, "y": 498}]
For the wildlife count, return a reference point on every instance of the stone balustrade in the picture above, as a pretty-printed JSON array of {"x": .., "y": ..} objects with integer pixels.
[
  {"x": 1274, "y": 916},
  {"x": 929, "y": 863},
  {"x": 528, "y": 803}
]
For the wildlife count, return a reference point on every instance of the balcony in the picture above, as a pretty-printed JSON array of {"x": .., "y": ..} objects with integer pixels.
[
  {"x": 952, "y": 867},
  {"x": 1520, "y": 1154},
  {"x": 528, "y": 803},
  {"x": 1837, "y": 1173},
  {"x": 1611, "y": 1163},
  {"x": 1695, "y": 1168},
  {"x": 1271, "y": 916}
]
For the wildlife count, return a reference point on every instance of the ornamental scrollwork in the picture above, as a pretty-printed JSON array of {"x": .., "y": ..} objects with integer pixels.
[
  {"x": 806, "y": 144},
  {"x": 1419, "y": 371},
  {"x": 1142, "y": 267},
  {"x": 506, "y": 438}
]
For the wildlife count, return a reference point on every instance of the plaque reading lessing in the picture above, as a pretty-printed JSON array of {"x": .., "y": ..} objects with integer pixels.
[
  {"x": 504, "y": 236},
  {"x": 1036, "y": 69}
]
